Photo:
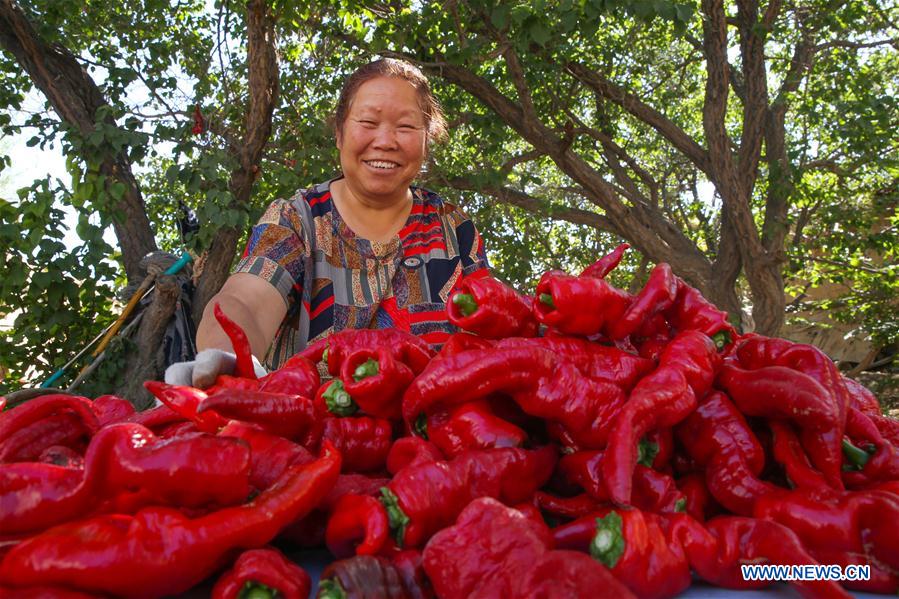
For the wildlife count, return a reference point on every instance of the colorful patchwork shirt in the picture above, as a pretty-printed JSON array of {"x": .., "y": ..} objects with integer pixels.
[{"x": 333, "y": 280}]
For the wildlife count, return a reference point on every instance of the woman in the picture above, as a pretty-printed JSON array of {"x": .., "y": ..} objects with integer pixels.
[{"x": 364, "y": 250}]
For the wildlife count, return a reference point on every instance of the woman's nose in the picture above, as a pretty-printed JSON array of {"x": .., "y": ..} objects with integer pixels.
[{"x": 385, "y": 137}]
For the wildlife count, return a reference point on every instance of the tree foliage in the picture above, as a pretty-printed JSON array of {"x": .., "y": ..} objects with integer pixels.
[{"x": 750, "y": 145}]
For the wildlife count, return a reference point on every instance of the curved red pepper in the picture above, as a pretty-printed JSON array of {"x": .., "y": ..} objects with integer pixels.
[
  {"x": 661, "y": 399},
  {"x": 472, "y": 425},
  {"x": 788, "y": 452},
  {"x": 290, "y": 416},
  {"x": 270, "y": 455},
  {"x": 404, "y": 347},
  {"x": 606, "y": 264},
  {"x": 298, "y": 376},
  {"x": 110, "y": 409},
  {"x": 159, "y": 551},
  {"x": 491, "y": 309},
  {"x": 363, "y": 442},
  {"x": 35, "y": 410},
  {"x": 243, "y": 366},
  {"x": 578, "y": 305},
  {"x": 376, "y": 381},
  {"x": 264, "y": 569},
  {"x": 657, "y": 296},
  {"x": 358, "y": 526},
  {"x": 186, "y": 401},
  {"x": 783, "y": 393},
  {"x": 567, "y": 507},
  {"x": 410, "y": 451},
  {"x": 29, "y": 442},
  {"x": 423, "y": 498}
]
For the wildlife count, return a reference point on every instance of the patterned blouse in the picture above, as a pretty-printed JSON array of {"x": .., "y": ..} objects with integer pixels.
[{"x": 332, "y": 280}]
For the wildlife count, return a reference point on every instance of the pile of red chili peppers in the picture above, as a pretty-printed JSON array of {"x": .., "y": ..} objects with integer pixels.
[{"x": 581, "y": 442}]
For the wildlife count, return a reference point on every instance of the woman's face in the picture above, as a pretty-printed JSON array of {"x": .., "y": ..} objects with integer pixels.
[{"x": 382, "y": 142}]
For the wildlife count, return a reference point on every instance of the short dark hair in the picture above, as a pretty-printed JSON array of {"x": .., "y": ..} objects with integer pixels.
[{"x": 435, "y": 122}]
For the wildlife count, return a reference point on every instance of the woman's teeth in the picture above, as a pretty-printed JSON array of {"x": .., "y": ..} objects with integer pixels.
[{"x": 383, "y": 164}]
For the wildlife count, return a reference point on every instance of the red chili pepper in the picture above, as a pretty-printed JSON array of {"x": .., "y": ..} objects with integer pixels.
[
  {"x": 29, "y": 442},
  {"x": 691, "y": 311},
  {"x": 661, "y": 399},
  {"x": 186, "y": 401},
  {"x": 861, "y": 398},
  {"x": 598, "y": 362},
  {"x": 243, "y": 367},
  {"x": 290, "y": 416},
  {"x": 159, "y": 551},
  {"x": 199, "y": 123},
  {"x": 410, "y": 451},
  {"x": 717, "y": 549},
  {"x": 363, "y": 442},
  {"x": 472, "y": 425},
  {"x": 657, "y": 296},
  {"x": 298, "y": 376},
  {"x": 862, "y": 524},
  {"x": 110, "y": 409},
  {"x": 270, "y": 455},
  {"x": 606, "y": 264},
  {"x": 157, "y": 418},
  {"x": 491, "y": 309},
  {"x": 460, "y": 342},
  {"x": 788, "y": 451},
  {"x": 783, "y": 393},
  {"x": 376, "y": 381},
  {"x": 634, "y": 547},
  {"x": 699, "y": 502},
  {"x": 495, "y": 551},
  {"x": 878, "y": 461},
  {"x": 578, "y": 305},
  {"x": 404, "y": 347},
  {"x": 264, "y": 570},
  {"x": 423, "y": 498},
  {"x": 37, "y": 409},
  {"x": 567, "y": 507},
  {"x": 358, "y": 526},
  {"x": 532, "y": 377}
]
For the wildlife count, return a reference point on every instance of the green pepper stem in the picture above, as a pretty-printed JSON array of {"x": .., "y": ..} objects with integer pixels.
[
  {"x": 608, "y": 543},
  {"x": 466, "y": 303},
  {"x": 421, "y": 426},
  {"x": 547, "y": 298},
  {"x": 365, "y": 370},
  {"x": 338, "y": 401},
  {"x": 647, "y": 452},
  {"x": 397, "y": 518},
  {"x": 256, "y": 590},
  {"x": 721, "y": 339},
  {"x": 857, "y": 457},
  {"x": 330, "y": 589}
]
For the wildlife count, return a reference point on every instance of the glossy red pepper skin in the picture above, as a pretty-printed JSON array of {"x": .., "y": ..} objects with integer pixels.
[
  {"x": 534, "y": 378},
  {"x": 718, "y": 548},
  {"x": 862, "y": 523},
  {"x": 787, "y": 450},
  {"x": 186, "y": 401},
  {"x": 472, "y": 425},
  {"x": 657, "y": 296},
  {"x": 598, "y": 362},
  {"x": 270, "y": 455},
  {"x": 243, "y": 366},
  {"x": 157, "y": 418},
  {"x": 358, "y": 526},
  {"x": 290, "y": 416},
  {"x": 460, "y": 342},
  {"x": 882, "y": 464},
  {"x": 579, "y": 305},
  {"x": 268, "y": 567},
  {"x": 606, "y": 264},
  {"x": 699, "y": 501},
  {"x": 432, "y": 494},
  {"x": 188, "y": 471},
  {"x": 495, "y": 551},
  {"x": 410, "y": 451},
  {"x": 298, "y": 376},
  {"x": 29, "y": 442},
  {"x": 111, "y": 409},
  {"x": 634, "y": 546},
  {"x": 159, "y": 551},
  {"x": 861, "y": 398},
  {"x": 783, "y": 393},
  {"x": 404, "y": 347},
  {"x": 567, "y": 507},
  {"x": 363, "y": 442},
  {"x": 661, "y": 399},
  {"x": 380, "y": 394},
  {"x": 493, "y": 310},
  {"x": 32, "y": 412}
]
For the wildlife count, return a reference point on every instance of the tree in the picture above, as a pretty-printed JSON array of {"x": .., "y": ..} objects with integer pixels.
[{"x": 727, "y": 138}]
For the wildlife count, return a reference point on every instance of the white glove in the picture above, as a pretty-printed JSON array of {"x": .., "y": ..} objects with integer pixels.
[{"x": 205, "y": 368}]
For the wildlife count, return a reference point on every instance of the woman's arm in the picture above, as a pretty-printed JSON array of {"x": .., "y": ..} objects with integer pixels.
[{"x": 252, "y": 303}]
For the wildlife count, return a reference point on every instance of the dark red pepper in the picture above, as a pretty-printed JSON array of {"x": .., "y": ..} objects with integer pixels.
[
  {"x": 362, "y": 441},
  {"x": 472, "y": 425},
  {"x": 358, "y": 526},
  {"x": 491, "y": 309},
  {"x": 263, "y": 571},
  {"x": 290, "y": 416}
]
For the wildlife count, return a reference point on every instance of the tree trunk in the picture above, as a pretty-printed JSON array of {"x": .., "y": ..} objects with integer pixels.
[
  {"x": 263, "y": 84},
  {"x": 76, "y": 99}
]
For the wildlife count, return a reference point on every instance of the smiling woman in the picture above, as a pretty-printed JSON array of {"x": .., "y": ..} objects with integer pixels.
[{"x": 367, "y": 249}]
